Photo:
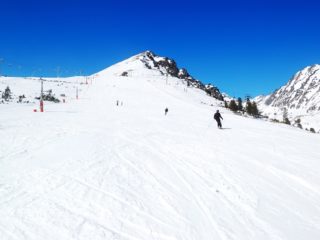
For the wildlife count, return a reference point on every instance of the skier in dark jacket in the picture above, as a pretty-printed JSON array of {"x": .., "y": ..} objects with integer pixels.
[
  {"x": 166, "y": 111},
  {"x": 217, "y": 117}
]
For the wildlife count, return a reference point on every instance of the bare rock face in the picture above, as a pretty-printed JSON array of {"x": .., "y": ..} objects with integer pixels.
[{"x": 169, "y": 67}]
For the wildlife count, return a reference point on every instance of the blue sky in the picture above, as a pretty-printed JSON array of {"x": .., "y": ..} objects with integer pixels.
[{"x": 243, "y": 47}]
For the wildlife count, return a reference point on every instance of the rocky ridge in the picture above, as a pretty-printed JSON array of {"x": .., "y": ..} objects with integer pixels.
[{"x": 169, "y": 67}]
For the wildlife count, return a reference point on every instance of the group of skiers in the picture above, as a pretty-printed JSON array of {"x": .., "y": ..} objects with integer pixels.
[{"x": 217, "y": 116}]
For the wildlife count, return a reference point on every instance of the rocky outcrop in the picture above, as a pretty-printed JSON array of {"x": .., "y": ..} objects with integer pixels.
[{"x": 169, "y": 67}]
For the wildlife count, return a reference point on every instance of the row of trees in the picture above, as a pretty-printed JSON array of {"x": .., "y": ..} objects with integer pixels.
[
  {"x": 250, "y": 108},
  {"x": 49, "y": 96}
]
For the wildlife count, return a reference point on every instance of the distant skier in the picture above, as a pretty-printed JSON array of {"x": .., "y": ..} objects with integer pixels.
[
  {"x": 217, "y": 116},
  {"x": 166, "y": 111}
]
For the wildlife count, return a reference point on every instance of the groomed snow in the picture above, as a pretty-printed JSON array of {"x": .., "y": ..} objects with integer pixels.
[{"x": 88, "y": 169}]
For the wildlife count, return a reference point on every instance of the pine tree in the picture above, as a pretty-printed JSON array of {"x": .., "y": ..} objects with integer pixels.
[
  {"x": 249, "y": 107},
  {"x": 240, "y": 107},
  {"x": 285, "y": 117},
  {"x": 7, "y": 94},
  {"x": 255, "y": 111},
  {"x": 233, "y": 106},
  {"x": 287, "y": 121},
  {"x": 298, "y": 123}
]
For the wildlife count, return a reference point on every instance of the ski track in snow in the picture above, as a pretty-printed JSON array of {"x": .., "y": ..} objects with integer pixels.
[{"x": 88, "y": 169}]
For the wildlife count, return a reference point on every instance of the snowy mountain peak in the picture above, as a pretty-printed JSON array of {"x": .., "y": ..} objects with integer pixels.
[
  {"x": 149, "y": 63},
  {"x": 302, "y": 91},
  {"x": 299, "y": 98},
  {"x": 165, "y": 65}
]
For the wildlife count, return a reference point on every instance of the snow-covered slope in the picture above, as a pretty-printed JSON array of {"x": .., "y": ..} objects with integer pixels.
[
  {"x": 149, "y": 63},
  {"x": 299, "y": 98},
  {"x": 89, "y": 169},
  {"x": 30, "y": 88}
]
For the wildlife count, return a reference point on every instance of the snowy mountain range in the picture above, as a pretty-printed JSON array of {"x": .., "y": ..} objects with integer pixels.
[
  {"x": 298, "y": 100},
  {"x": 107, "y": 163}
]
